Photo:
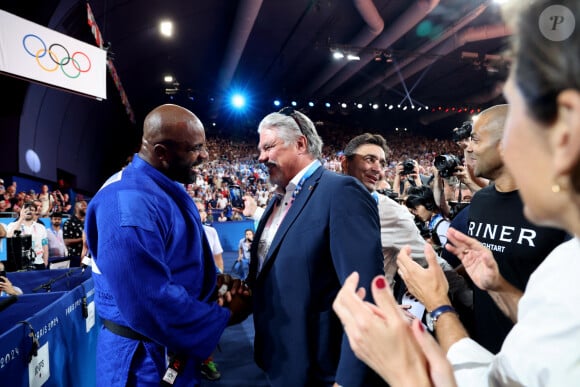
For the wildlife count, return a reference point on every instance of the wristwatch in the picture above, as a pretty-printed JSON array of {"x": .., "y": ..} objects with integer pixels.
[{"x": 431, "y": 318}]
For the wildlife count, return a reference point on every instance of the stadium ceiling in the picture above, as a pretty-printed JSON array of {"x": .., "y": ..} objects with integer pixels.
[{"x": 432, "y": 58}]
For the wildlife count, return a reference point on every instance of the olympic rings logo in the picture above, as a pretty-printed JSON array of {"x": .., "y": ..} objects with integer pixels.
[{"x": 71, "y": 65}]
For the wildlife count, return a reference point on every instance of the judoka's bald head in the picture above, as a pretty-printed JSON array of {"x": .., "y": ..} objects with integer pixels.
[{"x": 173, "y": 142}]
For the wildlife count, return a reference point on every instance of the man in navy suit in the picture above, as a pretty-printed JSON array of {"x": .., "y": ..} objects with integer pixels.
[{"x": 321, "y": 227}]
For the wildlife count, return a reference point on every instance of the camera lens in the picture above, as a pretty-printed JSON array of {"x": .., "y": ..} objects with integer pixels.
[
  {"x": 408, "y": 167},
  {"x": 446, "y": 165}
]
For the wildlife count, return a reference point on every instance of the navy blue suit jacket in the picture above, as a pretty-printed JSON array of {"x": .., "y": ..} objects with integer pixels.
[{"x": 331, "y": 230}]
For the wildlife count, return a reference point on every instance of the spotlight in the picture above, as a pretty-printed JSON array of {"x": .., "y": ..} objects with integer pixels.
[
  {"x": 238, "y": 101},
  {"x": 311, "y": 104},
  {"x": 293, "y": 103},
  {"x": 277, "y": 102}
]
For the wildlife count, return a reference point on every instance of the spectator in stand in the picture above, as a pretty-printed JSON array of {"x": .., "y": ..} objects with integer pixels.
[
  {"x": 46, "y": 201},
  {"x": 73, "y": 230},
  {"x": 221, "y": 201},
  {"x": 222, "y": 217},
  {"x": 56, "y": 245}
]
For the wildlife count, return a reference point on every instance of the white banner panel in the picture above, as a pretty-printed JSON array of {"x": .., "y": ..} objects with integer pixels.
[{"x": 37, "y": 53}]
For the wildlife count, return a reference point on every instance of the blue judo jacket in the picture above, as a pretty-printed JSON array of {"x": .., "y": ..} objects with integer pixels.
[{"x": 154, "y": 273}]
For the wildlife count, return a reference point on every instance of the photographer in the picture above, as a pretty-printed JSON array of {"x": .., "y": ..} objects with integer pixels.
[
  {"x": 407, "y": 174},
  {"x": 421, "y": 203},
  {"x": 446, "y": 183},
  {"x": 27, "y": 225},
  {"x": 465, "y": 174}
]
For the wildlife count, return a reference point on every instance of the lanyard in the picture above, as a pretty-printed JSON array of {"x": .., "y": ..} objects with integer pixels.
[{"x": 306, "y": 175}]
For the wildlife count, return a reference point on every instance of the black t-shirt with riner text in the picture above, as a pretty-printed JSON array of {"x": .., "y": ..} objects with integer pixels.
[{"x": 497, "y": 220}]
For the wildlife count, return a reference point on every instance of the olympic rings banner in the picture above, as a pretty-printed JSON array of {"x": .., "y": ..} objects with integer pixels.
[{"x": 37, "y": 53}]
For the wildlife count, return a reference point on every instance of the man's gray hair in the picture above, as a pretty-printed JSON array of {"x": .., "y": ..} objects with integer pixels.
[{"x": 290, "y": 127}]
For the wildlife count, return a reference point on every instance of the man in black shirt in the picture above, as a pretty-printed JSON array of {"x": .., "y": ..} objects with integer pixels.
[
  {"x": 496, "y": 219},
  {"x": 73, "y": 230}
]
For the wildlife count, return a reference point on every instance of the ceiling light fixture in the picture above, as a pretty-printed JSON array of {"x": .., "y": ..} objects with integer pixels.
[
  {"x": 337, "y": 55},
  {"x": 166, "y": 28}
]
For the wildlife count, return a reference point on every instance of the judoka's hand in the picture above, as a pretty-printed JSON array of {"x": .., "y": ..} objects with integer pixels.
[
  {"x": 225, "y": 283},
  {"x": 240, "y": 307},
  {"x": 239, "y": 302}
]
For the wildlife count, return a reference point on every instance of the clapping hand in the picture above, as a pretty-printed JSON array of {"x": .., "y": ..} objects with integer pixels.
[
  {"x": 403, "y": 354},
  {"x": 477, "y": 260}
]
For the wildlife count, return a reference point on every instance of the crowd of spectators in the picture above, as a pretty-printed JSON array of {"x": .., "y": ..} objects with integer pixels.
[
  {"x": 48, "y": 202},
  {"x": 234, "y": 162}
]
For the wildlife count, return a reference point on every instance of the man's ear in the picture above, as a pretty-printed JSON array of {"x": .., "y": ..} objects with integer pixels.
[
  {"x": 302, "y": 144},
  {"x": 160, "y": 152},
  {"x": 344, "y": 164},
  {"x": 565, "y": 133}
]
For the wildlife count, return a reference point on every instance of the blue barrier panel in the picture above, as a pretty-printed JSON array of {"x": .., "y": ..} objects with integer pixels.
[
  {"x": 43, "y": 281},
  {"x": 231, "y": 232},
  {"x": 66, "y": 333}
]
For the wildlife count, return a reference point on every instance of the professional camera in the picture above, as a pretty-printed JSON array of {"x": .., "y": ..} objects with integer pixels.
[
  {"x": 20, "y": 255},
  {"x": 422, "y": 227},
  {"x": 408, "y": 167},
  {"x": 463, "y": 132},
  {"x": 446, "y": 165},
  {"x": 389, "y": 193}
]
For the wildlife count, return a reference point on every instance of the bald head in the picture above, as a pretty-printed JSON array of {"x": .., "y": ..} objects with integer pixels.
[
  {"x": 173, "y": 142},
  {"x": 169, "y": 122},
  {"x": 492, "y": 120}
]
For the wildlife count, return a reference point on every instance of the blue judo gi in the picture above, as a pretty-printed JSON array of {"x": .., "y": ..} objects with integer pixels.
[{"x": 153, "y": 272}]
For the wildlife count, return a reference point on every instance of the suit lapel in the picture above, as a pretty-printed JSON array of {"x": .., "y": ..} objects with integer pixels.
[{"x": 297, "y": 207}]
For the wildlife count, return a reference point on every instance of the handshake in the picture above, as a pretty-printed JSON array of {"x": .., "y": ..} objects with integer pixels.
[{"x": 234, "y": 294}]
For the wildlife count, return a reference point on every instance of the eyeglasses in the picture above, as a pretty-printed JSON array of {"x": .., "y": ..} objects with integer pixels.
[{"x": 289, "y": 112}]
